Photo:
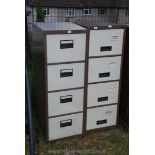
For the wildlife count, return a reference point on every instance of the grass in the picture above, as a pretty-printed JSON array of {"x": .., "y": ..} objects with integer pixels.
[{"x": 112, "y": 142}]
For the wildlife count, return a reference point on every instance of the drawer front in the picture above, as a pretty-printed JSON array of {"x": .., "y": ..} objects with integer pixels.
[
  {"x": 65, "y": 47},
  {"x": 65, "y": 102},
  {"x": 104, "y": 69},
  {"x": 101, "y": 117},
  {"x": 102, "y": 93},
  {"x": 65, "y": 76},
  {"x": 106, "y": 42},
  {"x": 65, "y": 126}
]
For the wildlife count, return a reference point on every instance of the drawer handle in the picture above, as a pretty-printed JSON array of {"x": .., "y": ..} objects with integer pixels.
[
  {"x": 101, "y": 122},
  {"x": 66, "y": 72},
  {"x": 105, "y": 48},
  {"x": 66, "y": 99},
  {"x": 100, "y": 99},
  {"x": 65, "y": 123},
  {"x": 102, "y": 75},
  {"x": 66, "y": 44}
]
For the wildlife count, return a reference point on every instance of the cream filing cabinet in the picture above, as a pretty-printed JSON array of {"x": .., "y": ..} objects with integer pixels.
[
  {"x": 105, "y": 56},
  {"x": 77, "y": 76},
  {"x": 60, "y": 52}
]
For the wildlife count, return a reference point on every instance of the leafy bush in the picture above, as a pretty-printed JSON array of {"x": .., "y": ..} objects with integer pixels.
[{"x": 40, "y": 12}]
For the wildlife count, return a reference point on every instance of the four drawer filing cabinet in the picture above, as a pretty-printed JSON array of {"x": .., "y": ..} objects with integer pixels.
[
  {"x": 105, "y": 54},
  {"x": 77, "y": 77}
]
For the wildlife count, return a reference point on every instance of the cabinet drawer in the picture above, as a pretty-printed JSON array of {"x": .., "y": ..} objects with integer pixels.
[
  {"x": 102, "y": 93},
  {"x": 65, "y": 102},
  {"x": 104, "y": 69},
  {"x": 65, "y": 47},
  {"x": 65, "y": 126},
  {"x": 65, "y": 76},
  {"x": 101, "y": 117},
  {"x": 106, "y": 42}
]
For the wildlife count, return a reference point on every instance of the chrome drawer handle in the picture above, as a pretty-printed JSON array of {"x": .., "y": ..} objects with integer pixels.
[
  {"x": 66, "y": 99},
  {"x": 105, "y": 48},
  {"x": 102, "y": 75},
  {"x": 66, "y": 44},
  {"x": 66, "y": 72},
  {"x": 66, "y": 123},
  {"x": 100, "y": 99},
  {"x": 101, "y": 122}
]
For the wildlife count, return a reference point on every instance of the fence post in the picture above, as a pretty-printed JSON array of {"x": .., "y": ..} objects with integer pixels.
[{"x": 28, "y": 101}]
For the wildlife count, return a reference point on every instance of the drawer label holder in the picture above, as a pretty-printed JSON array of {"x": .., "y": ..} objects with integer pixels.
[
  {"x": 64, "y": 44},
  {"x": 102, "y": 75},
  {"x": 105, "y": 48},
  {"x": 66, "y": 123},
  {"x": 66, "y": 72},
  {"x": 66, "y": 99},
  {"x": 101, "y": 122},
  {"x": 100, "y": 99}
]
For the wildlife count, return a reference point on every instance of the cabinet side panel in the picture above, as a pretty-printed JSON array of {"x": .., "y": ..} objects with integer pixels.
[
  {"x": 124, "y": 98},
  {"x": 38, "y": 77}
]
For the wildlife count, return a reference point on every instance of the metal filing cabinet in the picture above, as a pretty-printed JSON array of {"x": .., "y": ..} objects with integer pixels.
[
  {"x": 59, "y": 50},
  {"x": 104, "y": 64},
  {"x": 77, "y": 76}
]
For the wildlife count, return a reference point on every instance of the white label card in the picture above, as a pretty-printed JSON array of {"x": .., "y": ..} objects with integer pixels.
[
  {"x": 110, "y": 89},
  {"x": 112, "y": 65}
]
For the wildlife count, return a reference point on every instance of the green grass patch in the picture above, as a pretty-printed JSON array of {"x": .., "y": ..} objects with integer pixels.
[{"x": 112, "y": 142}]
